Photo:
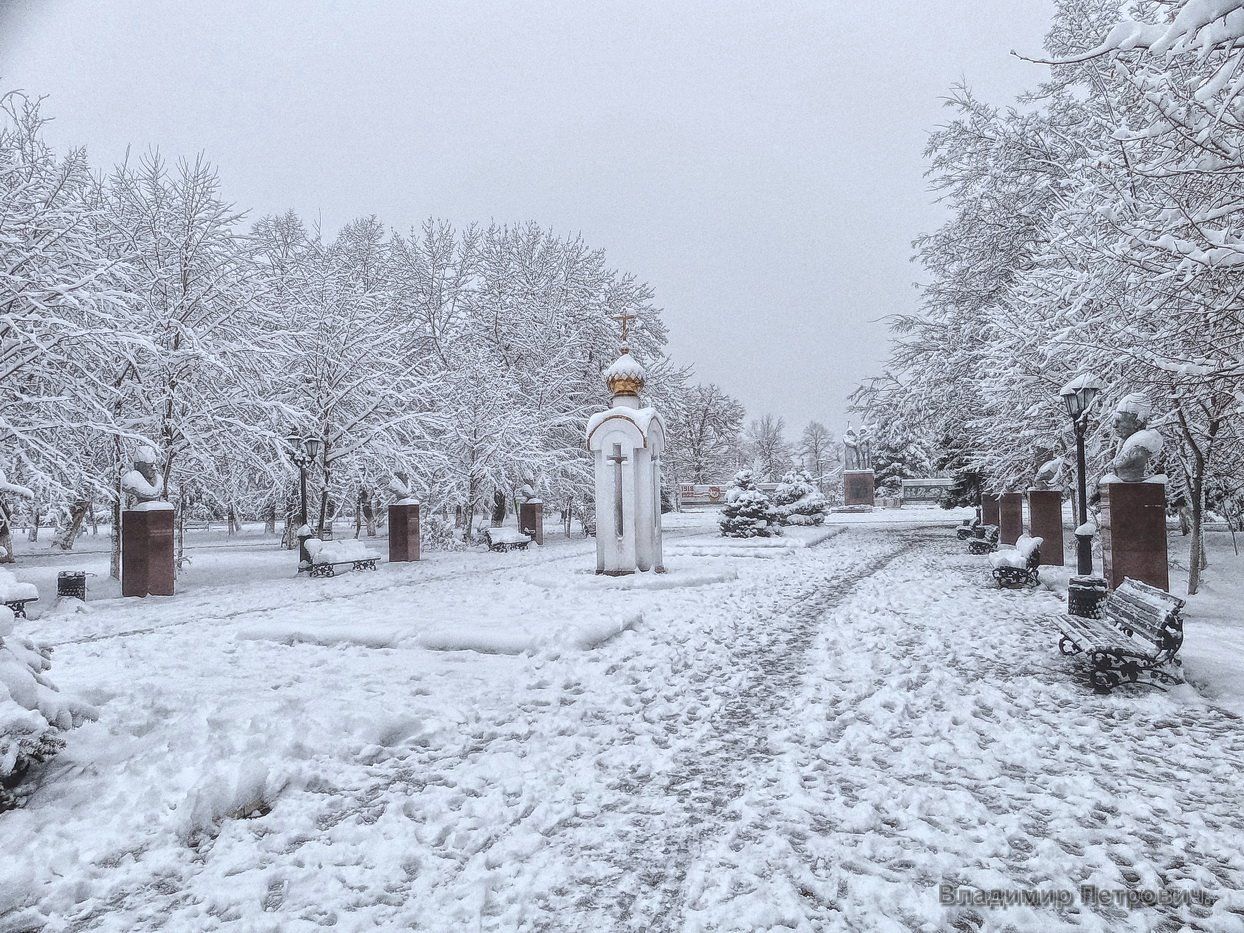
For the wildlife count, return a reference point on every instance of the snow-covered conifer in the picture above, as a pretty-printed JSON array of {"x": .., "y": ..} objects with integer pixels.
[
  {"x": 798, "y": 501},
  {"x": 748, "y": 513}
]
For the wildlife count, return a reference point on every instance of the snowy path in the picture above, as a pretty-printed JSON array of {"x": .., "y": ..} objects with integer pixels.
[{"x": 809, "y": 746}]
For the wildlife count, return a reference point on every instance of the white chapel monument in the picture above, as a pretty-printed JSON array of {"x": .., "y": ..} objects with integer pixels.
[{"x": 626, "y": 441}]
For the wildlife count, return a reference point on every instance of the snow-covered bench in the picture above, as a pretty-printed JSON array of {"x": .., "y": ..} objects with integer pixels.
[
  {"x": 327, "y": 556},
  {"x": 966, "y": 528},
  {"x": 984, "y": 539},
  {"x": 1017, "y": 567},
  {"x": 1138, "y": 635},
  {"x": 15, "y": 594},
  {"x": 505, "y": 539}
]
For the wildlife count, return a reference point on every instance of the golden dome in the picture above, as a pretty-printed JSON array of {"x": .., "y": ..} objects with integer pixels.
[{"x": 625, "y": 376}]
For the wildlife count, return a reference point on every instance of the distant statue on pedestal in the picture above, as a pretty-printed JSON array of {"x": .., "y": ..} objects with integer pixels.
[
  {"x": 144, "y": 481},
  {"x": 857, "y": 444},
  {"x": 1140, "y": 442}
]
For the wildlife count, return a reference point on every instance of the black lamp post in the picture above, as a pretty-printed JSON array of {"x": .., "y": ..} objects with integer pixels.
[
  {"x": 1085, "y": 590},
  {"x": 304, "y": 451}
]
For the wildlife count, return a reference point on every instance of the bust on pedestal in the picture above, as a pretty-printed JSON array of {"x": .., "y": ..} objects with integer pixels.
[
  {"x": 1045, "y": 511},
  {"x": 403, "y": 521},
  {"x": 531, "y": 514},
  {"x": 626, "y": 443},
  {"x": 147, "y": 567},
  {"x": 1133, "y": 505}
]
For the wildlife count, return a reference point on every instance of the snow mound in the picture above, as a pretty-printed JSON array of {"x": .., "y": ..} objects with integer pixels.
[
  {"x": 518, "y": 619},
  {"x": 673, "y": 578},
  {"x": 794, "y": 538},
  {"x": 527, "y": 634},
  {"x": 33, "y": 713}
]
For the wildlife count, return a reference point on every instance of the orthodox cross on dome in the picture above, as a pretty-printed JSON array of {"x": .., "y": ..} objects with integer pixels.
[{"x": 624, "y": 319}]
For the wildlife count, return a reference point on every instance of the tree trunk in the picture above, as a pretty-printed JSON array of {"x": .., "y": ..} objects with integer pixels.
[
  {"x": 36, "y": 520},
  {"x": 1197, "y": 550},
  {"x": 180, "y": 518},
  {"x": 114, "y": 560},
  {"x": 73, "y": 527},
  {"x": 498, "y": 508},
  {"x": 232, "y": 526},
  {"x": 6, "y": 533}
]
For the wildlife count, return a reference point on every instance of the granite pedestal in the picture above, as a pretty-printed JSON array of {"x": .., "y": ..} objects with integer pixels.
[
  {"x": 858, "y": 487},
  {"x": 1010, "y": 517},
  {"x": 1133, "y": 533},
  {"x": 1045, "y": 520},
  {"x": 531, "y": 520},
  {"x": 990, "y": 510},
  {"x": 147, "y": 564},
  {"x": 403, "y": 532}
]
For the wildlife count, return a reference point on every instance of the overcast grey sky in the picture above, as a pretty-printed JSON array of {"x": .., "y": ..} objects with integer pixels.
[{"x": 758, "y": 163}]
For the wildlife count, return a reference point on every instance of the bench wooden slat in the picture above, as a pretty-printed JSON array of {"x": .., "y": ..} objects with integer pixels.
[
  {"x": 1142, "y": 624},
  {"x": 1143, "y": 591},
  {"x": 1144, "y": 605}
]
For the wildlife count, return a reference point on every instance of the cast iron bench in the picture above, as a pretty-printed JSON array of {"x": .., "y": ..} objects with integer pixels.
[
  {"x": 967, "y": 528},
  {"x": 505, "y": 539},
  {"x": 985, "y": 539},
  {"x": 1139, "y": 633},
  {"x": 329, "y": 568},
  {"x": 19, "y": 605},
  {"x": 1019, "y": 567},
  {"x": 360, "y": 559}
]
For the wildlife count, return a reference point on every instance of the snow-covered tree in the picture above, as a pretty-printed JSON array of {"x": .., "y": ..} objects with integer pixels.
[
  {"x": 748, "y": 513},
  {"x": 768, "y": 447},
  {"x": 704, "y": 431},
  {"x": 797, "y": 501},
  {"x": 1098, "y": 228},
  {"x": 819, "y": 452}
]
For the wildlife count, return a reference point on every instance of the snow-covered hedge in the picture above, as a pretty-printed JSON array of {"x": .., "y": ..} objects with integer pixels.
[
  {"x": 33, "y": 713},
  {"x": 436, "y": 534},
  {"x": 798, "y": 501},
  {"x": 748, "y": 513}
]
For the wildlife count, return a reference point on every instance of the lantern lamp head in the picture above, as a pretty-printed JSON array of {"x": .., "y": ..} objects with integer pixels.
[
  {"x": 313, "y": 445},
  {"x": 1078, "y": 395}
]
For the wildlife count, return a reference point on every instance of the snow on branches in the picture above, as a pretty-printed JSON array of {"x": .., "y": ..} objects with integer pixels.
[{"x": 1100, "y": 229}]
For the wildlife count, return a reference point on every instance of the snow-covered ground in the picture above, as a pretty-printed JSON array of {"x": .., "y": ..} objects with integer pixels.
[{"x": 812, "y": 734}]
